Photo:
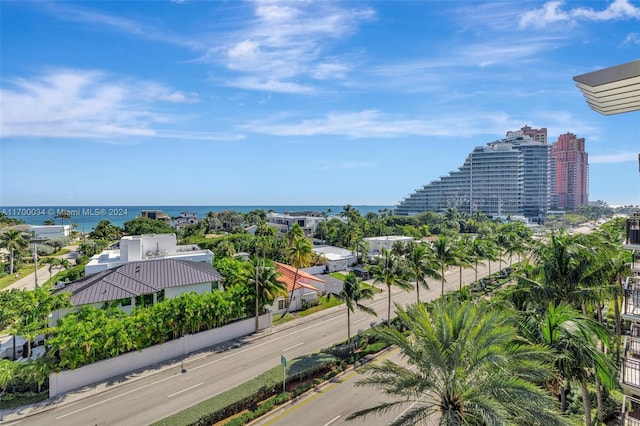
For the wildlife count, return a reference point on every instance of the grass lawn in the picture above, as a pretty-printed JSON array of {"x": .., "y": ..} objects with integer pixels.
[
  {"x": 286, "y": 318},
  {"x": 338, "y": 276},
  {"x": 374, "y": 289},
  {"x": 325, "y": 303}
]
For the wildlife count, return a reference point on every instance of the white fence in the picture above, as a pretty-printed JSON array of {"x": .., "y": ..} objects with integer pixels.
[{"x": 73, "y": 379}]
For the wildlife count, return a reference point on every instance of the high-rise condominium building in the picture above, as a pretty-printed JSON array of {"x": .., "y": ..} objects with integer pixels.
[
  {"x": 570, "y": 173},
  {"x": 505, "y": 177}
]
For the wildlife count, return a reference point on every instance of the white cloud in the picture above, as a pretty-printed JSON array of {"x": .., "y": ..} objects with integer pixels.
[
  {"x": 632, "y": 38},
  {"x": 375, "y": 124},
  {"x": 67, "y": 103},
  {"x": 282, "y": 48},
  {"x": 552, "y": 12},
  {"x": 622, "y": 157}
]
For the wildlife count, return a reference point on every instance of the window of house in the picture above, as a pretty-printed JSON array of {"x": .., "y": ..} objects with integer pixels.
[
  {"x": 283, "y": 302},
  {"x": 144, "y": 300}
]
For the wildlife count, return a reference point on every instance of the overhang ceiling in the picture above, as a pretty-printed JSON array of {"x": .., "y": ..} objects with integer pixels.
[{"x": 612, "y": 90}]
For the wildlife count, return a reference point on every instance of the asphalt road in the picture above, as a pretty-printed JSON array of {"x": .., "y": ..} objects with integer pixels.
[
  {"x": 335, "y": 401},
  {"x": 159, "y": 393}
]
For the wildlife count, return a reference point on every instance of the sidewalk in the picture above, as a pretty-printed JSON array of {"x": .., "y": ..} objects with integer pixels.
[{"x": 18, "y": 413}]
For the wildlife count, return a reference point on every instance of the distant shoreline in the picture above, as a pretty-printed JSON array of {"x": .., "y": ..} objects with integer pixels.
[{"x": 86, "y": 217}]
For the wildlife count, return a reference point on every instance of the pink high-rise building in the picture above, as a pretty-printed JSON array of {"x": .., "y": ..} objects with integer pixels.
[{"x": 570, "y": 172}]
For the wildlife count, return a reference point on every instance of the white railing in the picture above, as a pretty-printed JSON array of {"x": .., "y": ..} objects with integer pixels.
[
  {"x": 630, "y": 411},
  {"x": 630, "y": 374},
  {"x": 632, "y": 297}
]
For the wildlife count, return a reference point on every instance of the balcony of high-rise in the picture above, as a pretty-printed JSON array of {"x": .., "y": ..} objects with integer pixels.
[
  {"x": 631, "y": 308},
  {"x": 632, "y": 234}
]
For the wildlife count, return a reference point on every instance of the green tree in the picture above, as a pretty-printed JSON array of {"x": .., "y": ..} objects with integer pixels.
[
  {"x": 104, "y": 230},
  {"x": 14, "y": 242},
  {"x": 299, "y": 255},
  {"x": 62, "y": 215},
  {"x": 444, "y": 254},
  {"x": 422, "y": 265},
  {"x": 144, "y": 225},
  {"x": 266, "y": 284},
  {"x": 352, "y": 294},
  {"x": 573, "y": 338},
  {"x": 391, "y": 271},
  {"x": 466, "y": 366}
]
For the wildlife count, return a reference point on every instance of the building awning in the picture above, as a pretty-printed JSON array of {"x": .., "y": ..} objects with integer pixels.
[{"x": 612, "y": 90}]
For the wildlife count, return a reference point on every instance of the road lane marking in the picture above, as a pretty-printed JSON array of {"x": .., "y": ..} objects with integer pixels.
[
  {"x": 184, "y": 390},
  {"x": 360, "y": 320},
  {"x": 114, "y": 397},
  {"x": 332, "y": 420},
  {"x": 294, "y": 346}
]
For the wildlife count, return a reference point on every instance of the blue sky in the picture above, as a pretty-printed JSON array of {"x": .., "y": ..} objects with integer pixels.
[{"x": 266, "y": 102}]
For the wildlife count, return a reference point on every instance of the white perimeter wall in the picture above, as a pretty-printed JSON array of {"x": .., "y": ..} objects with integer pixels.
[{"x": 72, "y": 379}]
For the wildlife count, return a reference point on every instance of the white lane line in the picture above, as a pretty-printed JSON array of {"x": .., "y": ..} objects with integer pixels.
[
  {"x": 115, "y": 397},
  {"x": 294, "y": 346},
  {"x": 360, "y": 320},
  {"x": 184, "y": 390},
  {"x": 332, "y": 420}
]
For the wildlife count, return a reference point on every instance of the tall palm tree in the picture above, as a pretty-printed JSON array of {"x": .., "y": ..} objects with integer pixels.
[
  {"x": 266, "y": 284},
  {"x": 299, "y": 253},
  {"x": 466, "y": 366},
  {"x": 444, "y": 254},
  {"x": 477, "y": 252},
  {"x": 14, "y": 241},
  {"x": 391, "y": 271},
  {"x": 573, "y": 339},
  {"x": 65, "y": 214},
  {"x": 463, "y": 256},
  {"x": 352, "y": 294},
  {"x": 422, "y": 265}
]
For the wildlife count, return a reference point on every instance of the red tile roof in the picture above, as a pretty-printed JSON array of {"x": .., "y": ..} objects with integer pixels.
[{"x": 287, "y": 274}]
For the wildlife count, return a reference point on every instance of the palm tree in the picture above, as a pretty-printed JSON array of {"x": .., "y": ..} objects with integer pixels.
[
  {"x": 421, "y": 265},
  {"x": 390, "y": 270},
  {"x": 573, "y": 339},
  {"x": 444, "y": 254},
  {"x": 65, "y": 214},
  {"x": 300, "y": 254},
  {"x": 14, "y": 241},
  {"x": 466, "y": 366},
  {"x": 477, "y": 252},
  {"x": 52, "y": 262},
  {"x": 352, "y": 294},
  {"x": 267, "y": 286},
  {"x": 463, "y": 256}
]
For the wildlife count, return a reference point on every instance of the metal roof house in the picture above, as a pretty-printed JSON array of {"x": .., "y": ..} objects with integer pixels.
[{"x": 141, "y": 283}]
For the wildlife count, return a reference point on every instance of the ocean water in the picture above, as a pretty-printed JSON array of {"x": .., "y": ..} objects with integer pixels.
[{"x": 86, "y": 217}]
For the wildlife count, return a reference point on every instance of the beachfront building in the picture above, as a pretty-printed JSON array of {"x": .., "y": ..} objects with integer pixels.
[
  {"x": 156, "y": 215},
  {"x": 134, "y": 248},
  {"x": 185, "y": 219},
  {"x": 505, "y": 177},
  {"x": 570, "y": 172},
  {"x": 48, "y": 232},
  {"x": 283, "y": 222},
  {"x": 140, "y": 283}
]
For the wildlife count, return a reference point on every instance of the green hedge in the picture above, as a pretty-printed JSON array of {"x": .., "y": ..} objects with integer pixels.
[{"x": 251, "y": 393}]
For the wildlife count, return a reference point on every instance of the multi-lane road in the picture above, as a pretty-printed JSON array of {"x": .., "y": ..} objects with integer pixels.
[{"x": 167, "y": 390}]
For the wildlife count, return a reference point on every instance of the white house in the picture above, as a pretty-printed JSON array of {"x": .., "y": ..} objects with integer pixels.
[
  {"x": 135, "y": 248},
  {"x": 306, "y": 288},
  {"x": 47, "y": 232},
  {"x": 185, "y": 219},
  {"x": 140, "y": 283},
  {"x": 338, "y": 259},
  {"x": 376, "y": 244},
  {"x": 308, "y": 221}
]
